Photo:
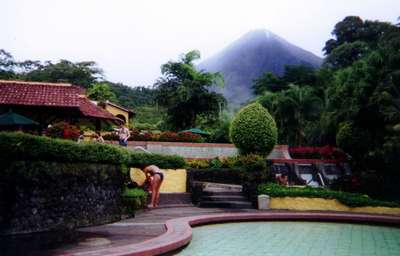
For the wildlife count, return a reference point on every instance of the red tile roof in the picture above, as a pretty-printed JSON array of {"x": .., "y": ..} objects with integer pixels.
[
  {"x": 50, "y": 95},
  {"x": 91, "y": 110},
  {"x": 39, "y": 94}
]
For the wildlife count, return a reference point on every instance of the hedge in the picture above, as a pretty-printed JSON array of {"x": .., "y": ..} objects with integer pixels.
[
  {"x": 349, "y": 199},
  {"x": 218, "y": 175},
  {"x": 162, "y": 161},
  {"x": 253, "y": 130},
  {"x": 133, "y": 199},
  {"x": 226, "y": 162},
  {"x": 20, "y": 146}
]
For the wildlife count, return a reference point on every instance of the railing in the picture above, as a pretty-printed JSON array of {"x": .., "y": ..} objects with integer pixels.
[{"x": 142, "y": 149}]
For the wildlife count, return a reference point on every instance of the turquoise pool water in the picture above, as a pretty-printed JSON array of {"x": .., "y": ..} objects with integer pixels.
[{"x": 293, "y": 238}]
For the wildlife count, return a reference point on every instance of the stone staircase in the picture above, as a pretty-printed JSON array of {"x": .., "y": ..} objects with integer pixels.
[{"x": 217, "y": 195}]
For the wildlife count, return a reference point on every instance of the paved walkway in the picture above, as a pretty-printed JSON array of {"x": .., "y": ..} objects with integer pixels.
[
  {"x": 147, "y": 224},
  {"x": 146, "y": 234}
]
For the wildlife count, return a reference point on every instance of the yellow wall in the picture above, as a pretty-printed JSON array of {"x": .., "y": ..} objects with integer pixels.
[
  {"x": 117, "y": 111},
  {"x": 305, "y": 204},
  {"x": 174, "y": 180}
]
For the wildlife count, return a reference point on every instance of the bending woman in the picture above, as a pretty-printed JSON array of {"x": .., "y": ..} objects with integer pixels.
[{"x": 155, "y": 177}]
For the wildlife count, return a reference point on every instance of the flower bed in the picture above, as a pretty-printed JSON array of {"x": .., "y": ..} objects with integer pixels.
[
  {"x": 164, "y": 136},
  {"x": 326, "y": 152}
]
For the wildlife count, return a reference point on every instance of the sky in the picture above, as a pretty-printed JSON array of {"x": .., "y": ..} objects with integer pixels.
[{"x": 131, "y": 39}]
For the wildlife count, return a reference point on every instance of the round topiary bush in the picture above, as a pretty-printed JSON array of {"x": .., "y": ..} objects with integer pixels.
[{"x": 253, "y": 130}]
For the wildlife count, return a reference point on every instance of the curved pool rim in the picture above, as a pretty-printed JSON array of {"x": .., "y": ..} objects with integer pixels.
[{"x": 179, "y": 230}]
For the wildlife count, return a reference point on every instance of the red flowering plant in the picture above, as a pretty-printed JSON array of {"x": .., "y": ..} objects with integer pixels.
[
  {"x": 180, "y": 137},
  {"x": 63, "y": 130},
  {"x": 190, "y": 137},
  {"x": 326, "y": 152},
  {"x": 167, "y": 136}
]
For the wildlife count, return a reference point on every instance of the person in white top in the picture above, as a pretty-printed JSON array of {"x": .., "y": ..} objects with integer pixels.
[{"x": 123, "y": 134}]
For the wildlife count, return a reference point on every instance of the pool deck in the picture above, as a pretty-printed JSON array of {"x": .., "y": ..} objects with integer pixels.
[{"x": 157, "y": 231}]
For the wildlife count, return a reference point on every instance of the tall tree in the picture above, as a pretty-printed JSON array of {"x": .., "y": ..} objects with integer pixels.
[
  {"x": 80, "y": 73},
  {"x": 293, "y": 109},
  {"x": 101, "y": 92},
  {"x": 184, "y": 92},
  {"x": 268, "y": 82},
  {"x": 7, "y": 65}
]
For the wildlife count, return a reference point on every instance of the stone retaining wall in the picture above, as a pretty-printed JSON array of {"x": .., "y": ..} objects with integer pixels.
[
  {"x": 198, "y": 150},
  {"x": 41, "y": 196}
]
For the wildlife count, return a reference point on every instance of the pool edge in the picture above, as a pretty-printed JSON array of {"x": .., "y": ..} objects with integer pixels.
[{"x": 179, "y": 230}]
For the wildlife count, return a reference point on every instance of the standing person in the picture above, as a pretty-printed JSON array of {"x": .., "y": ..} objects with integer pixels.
[
  {"x": 123, "y": 134},
  {"x": 98, "y": 137},
  {"x": 81, "y": 137},
  {"x": 155, "y": 177}
]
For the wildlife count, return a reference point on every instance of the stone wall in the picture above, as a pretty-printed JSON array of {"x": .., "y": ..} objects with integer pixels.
[
  {"x": 198, "y": 150},
  {"x": 184, "y": 149},
  {"x": 40, "y": 196}
]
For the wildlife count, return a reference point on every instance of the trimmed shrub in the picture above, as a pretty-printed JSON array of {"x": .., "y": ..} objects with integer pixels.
[
  {"x": 19, "y": 146},
  {"x": 349, "y": 199},
  {"x": 163, "y": 161},
  {"x": 198, "y": 164},
  {"x": 133, "y": 199},
  {"x": 226, "y": 162},
  {"x": 218, "y": 175},
  {"x": 253, "y": 130}
]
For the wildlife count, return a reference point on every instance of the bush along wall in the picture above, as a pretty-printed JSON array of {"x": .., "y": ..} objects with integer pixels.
[
  {"x": 349, "y": 199},
  {"x": 48, "y": 184},
  {"x": 253, "y": 130},
  {"x": 133, "y": 199}
]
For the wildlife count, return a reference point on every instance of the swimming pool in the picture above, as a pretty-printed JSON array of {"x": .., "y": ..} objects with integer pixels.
[{"x": 293, "y": 238}]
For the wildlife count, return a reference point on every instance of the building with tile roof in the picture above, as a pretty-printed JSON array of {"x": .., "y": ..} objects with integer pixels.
[{"x": 47, "y": 103}]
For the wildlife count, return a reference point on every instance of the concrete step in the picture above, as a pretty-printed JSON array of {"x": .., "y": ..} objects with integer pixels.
[
  {"x": 173, "y": 199},
  {"x": 222, "y": 187},
  {"x": 216, "y": 190},
  {"x": 224, "y": 198},
  {"x": 226, "y": 204},
  {"x": 221, "y": 193}
]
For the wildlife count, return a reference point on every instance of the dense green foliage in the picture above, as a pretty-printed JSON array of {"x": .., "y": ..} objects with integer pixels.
[
  {"x": 162, "y": 161},
  {"x": 253, "y": 130},
  {"x": 353, "y": 102},
  {"x": 101, "y": 92},
  {"x": 18, "y": 146},
  {"x": 226, "y": 162},
  {"x": 148, "y": 118},
  {"x": 133, "y": 97},
  {"x": 133, "y": 199},
  {"x": 349, "y": 199},
  {"x": 184, "y": 93},
  {"x": 219, "y": 175},
  {"x": 80, "y": 73}
]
